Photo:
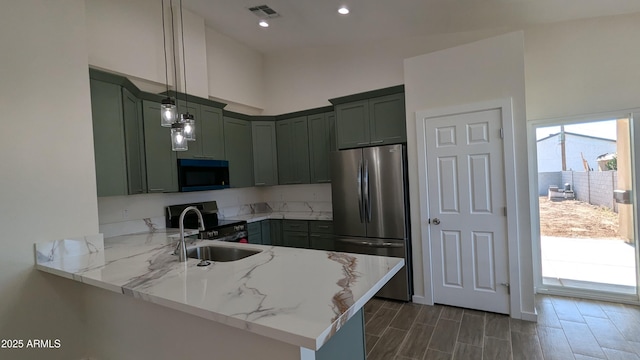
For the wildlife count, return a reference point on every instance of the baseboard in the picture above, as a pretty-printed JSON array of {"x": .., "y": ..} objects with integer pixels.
[
  {"x": 528, "y": 316},
  {"x": 420, "y": 300}
]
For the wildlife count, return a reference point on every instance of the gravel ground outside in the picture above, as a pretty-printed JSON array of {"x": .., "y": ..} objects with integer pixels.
[{"x": 577, "y": 219}]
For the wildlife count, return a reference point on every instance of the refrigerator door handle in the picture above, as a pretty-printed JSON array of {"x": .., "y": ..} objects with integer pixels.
[
  {"x": 360, "y": 202},
  {"x": 367, "y": 202}
]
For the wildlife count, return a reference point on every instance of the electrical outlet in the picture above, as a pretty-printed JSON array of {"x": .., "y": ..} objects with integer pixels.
[{"x": 125, "y": 213}]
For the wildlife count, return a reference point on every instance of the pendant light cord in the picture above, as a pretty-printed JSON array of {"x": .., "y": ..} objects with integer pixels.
[
  {"x": 173, "y": 41},
  {"x": 184, "y": 61},
  {"x": 164, "y": 44}
]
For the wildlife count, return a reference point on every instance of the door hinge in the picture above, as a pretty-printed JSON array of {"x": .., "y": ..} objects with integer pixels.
[
  {"x": 508, "y": 286},
  {"x": 504, "y": 210},
  {"x": 501, "y": 133}
]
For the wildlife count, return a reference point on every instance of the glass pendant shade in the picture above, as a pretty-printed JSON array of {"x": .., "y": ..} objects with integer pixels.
[
  {"x": 189, "y": 126},
  {"x": 178, "y": 140},
  {"x": 168, "y": 112}
]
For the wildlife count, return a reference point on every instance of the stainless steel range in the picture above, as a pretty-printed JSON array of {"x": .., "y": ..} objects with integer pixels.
[{"x": 215, "y": 229}]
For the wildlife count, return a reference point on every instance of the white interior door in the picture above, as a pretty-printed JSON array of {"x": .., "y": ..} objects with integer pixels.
[{"x": 467, "y": 210}]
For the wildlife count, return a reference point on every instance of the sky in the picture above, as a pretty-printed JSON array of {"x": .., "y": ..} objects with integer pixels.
[{"x": 603, "y": 129}]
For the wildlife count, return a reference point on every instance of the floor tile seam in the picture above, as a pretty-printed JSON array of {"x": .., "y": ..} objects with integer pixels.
[
  {"x": 624, "y": 351},
  {"x": 391, "y": 327},
  {"x": 406, "y": 338}
]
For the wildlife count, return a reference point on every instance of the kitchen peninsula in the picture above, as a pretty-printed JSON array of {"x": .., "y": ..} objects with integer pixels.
[{"x": 307, "y": 299}]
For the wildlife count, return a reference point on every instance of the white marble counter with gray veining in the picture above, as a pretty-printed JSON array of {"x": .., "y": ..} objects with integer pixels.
[
  {"x": 290, "y": 215},
  {"x": 298, "y": 296}
]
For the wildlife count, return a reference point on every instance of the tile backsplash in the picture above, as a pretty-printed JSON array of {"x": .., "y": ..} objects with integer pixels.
[{"x": 139, "y": 212}]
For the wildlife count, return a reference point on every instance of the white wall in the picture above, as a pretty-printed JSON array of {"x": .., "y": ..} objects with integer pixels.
[
  {"x": 235, "y": 72},
  {"x": 48, "y": 177},
  {"x": 582, "y": 67},
  {"x": 305, "y": 78},
  {"x": 125, "y": 37},
  {"x": 489, "y": 69}
]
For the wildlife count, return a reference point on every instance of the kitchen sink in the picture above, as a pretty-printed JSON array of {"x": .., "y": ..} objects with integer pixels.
[{"x": 220, "y": 253}]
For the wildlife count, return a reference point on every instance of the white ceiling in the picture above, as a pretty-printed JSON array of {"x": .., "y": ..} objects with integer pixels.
[{"x": 317, "y": 22}]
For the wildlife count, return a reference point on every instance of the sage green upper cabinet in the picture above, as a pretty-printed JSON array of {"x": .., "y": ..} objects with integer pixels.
[
  {"x": 162, "y": 167},
  {"x": 117, "y": 140},
  {"x": 352, "y": 124},
  {"x": 238, "y": 151},
  {"x": 319, "y": 147},
  {"x": 388, "y": 124},
  {"x": 265, "y": 159},
  {"x": 134, "y": 141},
  {"x": 293, "y": 151},
  {"x": 376, "y": 121},
  {"x": 209, "y": 143}
]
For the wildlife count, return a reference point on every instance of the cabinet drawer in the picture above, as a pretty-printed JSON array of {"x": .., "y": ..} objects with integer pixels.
[
  {"x": 295, "y": 239},
  {"x": 321, "y": 241},
  {"x": 325, "y": 227},
  {"x": 295, "y": 225}
]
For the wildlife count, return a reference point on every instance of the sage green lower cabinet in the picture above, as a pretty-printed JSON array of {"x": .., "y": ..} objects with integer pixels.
[
  {"x": 348, "y": 343},
  {"x": 293, "y": 151},
  {"x": 265, "y": 227},
  {"x": 238, "y": 151},
  {"x": 117, "y": 140},
  {"x": 255, "y": 232},
  {"x": 265, "y": 158},
  {"x": 276, "y": 232},
  {"x": 319, "y": 147},
  {"x": 321, "y": 235},
  {"x": 161, "y": 161}
]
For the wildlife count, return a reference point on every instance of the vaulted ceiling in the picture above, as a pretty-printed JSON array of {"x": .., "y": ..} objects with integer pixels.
[{"x": 317, "y": 22}]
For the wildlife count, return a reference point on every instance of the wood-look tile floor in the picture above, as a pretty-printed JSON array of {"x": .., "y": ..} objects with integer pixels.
[{"x": 567, "y": 328}]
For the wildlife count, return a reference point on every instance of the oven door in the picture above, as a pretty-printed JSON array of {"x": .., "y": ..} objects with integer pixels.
[{"x": 398, "y": 287}]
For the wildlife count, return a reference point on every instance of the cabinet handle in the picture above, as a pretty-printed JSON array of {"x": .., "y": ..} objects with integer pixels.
[
  {"x": 156, "y": 190},
  {"x": 363, "y": 143},
  {"x": 258, "y": 184},
  {"x": 323, "y": 226},
  {"x": 377, "y": 142},
  {"x": 323, "y": 181},
  {"x": 315, "y": 235}
]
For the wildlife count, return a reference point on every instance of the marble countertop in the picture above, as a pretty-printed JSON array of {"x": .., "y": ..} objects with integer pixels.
[
  {"x": 298, "y": 296},
  {"x": 291, "y": 215}
]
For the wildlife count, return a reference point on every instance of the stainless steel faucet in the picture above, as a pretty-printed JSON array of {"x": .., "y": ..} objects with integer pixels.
[{"x": 181, "y": 249}]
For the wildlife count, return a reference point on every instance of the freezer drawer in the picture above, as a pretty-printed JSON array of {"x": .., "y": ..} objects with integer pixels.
[{"x": 399, "y": 287}]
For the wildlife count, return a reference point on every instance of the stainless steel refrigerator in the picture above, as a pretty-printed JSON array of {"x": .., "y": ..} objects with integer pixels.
[{"x": 371, "y": 208}]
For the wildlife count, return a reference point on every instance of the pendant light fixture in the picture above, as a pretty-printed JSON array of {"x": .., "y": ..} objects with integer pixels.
[
  {"x": 168, "y": 110},
  {"x": 186, "y": 119}
]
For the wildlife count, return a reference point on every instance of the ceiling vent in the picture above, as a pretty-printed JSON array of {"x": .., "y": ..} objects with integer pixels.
[{"x": 264, "y": 12}]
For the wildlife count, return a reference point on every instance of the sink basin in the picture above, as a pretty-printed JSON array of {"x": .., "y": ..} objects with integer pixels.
[{"x": 220, "y": 253}]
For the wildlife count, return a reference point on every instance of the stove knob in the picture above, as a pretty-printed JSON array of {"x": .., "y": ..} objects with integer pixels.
[{"x": 215, "y": 232}]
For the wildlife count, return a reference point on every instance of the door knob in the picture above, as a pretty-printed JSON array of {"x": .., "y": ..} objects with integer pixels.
[{"x": 435, "y": 221}]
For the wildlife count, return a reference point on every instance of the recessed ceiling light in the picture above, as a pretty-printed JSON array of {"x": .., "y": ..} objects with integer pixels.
[
  {"x": 343, "y": 10},
  {"x": 263, "y": 23}
]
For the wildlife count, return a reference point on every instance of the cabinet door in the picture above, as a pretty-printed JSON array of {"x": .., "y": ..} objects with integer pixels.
[
  {"x": 255, "y": 233},
  {"x": 319, "y": 147},
  {"x": 321, "y": 241},
  {"x": 266, "y": 232},
  {"x": 293, "y": 151},
  {"x": 134, "y": 142},
  {"x": 352, "y": 124},
  {"x": 265, "y": 163},
  {"x": 333, "y": 141},
  {"x": 284, "y": 137},
  {"x": 276, "y": 232},
  {"x": 388, "y": 122},
  {"x": 195, "y": 147},
  {"x": 295, "y": 239},
  {"x": 212, "y": 132},
  {"x": 162, "y": 167},
  {"x": 108, "y": 139},
  {"x": 238, "y": 151}
]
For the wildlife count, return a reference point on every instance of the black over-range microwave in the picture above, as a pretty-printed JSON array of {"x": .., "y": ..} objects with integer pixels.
[{"x": 200, "y": 174}]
